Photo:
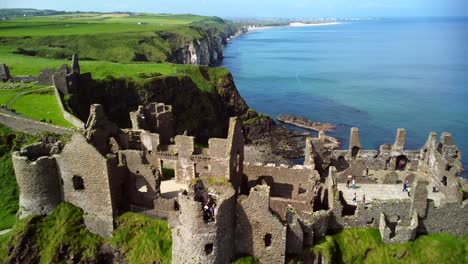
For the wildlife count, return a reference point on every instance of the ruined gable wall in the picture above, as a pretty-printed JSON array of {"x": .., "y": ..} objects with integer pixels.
[
  {"x": 217, "y": 150},
  {"x": 235, "y": 147},
  {"x": 185, "y": 167},
  {"x": 39, "y": 184},
  {"x": 441, "y": 160},
  {"x": 81, "y": 159},
  {"x": 258, "y": 232}
]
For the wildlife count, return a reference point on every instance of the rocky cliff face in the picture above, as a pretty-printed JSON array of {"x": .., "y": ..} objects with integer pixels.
[
  {"x": 206, "y": 51},
  {"x": 204, "y": 114}
]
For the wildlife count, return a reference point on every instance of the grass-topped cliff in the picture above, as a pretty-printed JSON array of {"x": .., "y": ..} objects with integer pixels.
[
  {"x": 111, "y": 48},
  {"x": 119, "y": 37}
]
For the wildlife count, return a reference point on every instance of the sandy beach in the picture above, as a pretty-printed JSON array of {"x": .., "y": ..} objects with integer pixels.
[{"x": 300, "y": 24}]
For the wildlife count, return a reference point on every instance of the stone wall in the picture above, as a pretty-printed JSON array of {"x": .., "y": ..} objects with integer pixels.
[
  {"x": 447, "y": 218},
  {"x": 24, "y": 79},
  {"x": 294, "y": 234},
  {"x": 185, "y": 167},
  {"x": 99, "y": 129},
  {"x": 296, "y": 182},
  {"x": 155, "y": 118},
  {"x": 60, "y": 79},
  {"x": 25, "y": 125},
  {"x": 4, "y": 72},
  {"x": 38, "y": 180},
  {"x": 46, "y": 77},
  {"x": 280, "y": 205},
  {"x": 217, "y": 149},
  {"x": 258, "y": 232},
  {"x": 235, "y": 148},
  {"x": 442, "y": 162},
  {"x": 396, "y": 232},
  {"x": 354, "y": 161},
  {"x": 144, "y": 180},
  {"x": 86, "y": 183},
  {"x": 67, "y": 115}
]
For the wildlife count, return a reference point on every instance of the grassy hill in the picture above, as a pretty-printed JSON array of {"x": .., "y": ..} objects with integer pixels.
[{"x": 120, "y": 37}]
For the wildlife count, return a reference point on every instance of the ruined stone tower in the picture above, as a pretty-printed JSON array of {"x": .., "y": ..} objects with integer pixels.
[
  {"x": 195, "y": 240},
  {"x": 38, "y": 179}
]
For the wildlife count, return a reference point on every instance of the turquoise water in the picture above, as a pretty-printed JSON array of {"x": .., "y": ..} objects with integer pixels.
[{"x": 376, "y": 75}]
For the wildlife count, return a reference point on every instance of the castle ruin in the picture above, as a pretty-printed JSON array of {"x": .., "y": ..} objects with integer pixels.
[{"x": 222, "y": 206}]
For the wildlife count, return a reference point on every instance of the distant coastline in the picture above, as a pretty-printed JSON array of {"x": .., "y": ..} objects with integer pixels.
[{"x": 250, "y": 28}]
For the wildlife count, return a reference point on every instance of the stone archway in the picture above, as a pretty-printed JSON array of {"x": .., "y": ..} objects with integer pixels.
[
  {"x": 354, "y": 151},
  {"x": 401, "y": 162}
]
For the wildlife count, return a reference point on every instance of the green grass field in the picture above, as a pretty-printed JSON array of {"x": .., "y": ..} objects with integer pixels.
[
  {"x": 106, "y": 37},
  {"x": 41, "y": 105},
  {"x": 365, "y": 246},
  {"x": 34, "y": 101}
]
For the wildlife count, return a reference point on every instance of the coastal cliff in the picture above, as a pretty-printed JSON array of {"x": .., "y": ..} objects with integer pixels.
[
  {"x": 207, "y": 50},
  {"x": 203, "y": 99}
]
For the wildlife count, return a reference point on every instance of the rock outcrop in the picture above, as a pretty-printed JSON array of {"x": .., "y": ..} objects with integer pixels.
[{"x": 207, "y": 50}]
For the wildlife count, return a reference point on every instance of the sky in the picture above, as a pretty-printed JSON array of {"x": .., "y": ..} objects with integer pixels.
[{"x": 261, "y": 8}]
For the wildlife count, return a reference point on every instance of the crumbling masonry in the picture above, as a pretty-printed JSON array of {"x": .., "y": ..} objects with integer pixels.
[{"x": 229, "y": 207}]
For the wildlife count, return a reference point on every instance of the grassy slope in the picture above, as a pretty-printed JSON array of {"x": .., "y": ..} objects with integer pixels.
[
  {"x": 34, "y": 101},
  {"x": 9, "y": 141},
  {"x": 365, "y": 246},
  {"x": 109, "y": 37},
  {"x": 61, "y": 236},
  {"x": 143, "y": 240},
  {"x": 39, "y": 105}
]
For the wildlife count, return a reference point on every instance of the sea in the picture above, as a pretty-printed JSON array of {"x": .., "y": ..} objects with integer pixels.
[{"x": 377, "y": 75}]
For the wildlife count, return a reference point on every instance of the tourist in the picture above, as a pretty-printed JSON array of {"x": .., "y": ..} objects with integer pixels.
[
  {"x": 405, "y": 185},
  {"x": 364, "y": 199},
  {"x": 367, "y": 171},
  {"x": 354, "y": 184},
  {"x": 409, "y": 190},
  {"x": 434, "y": 188},
  {"x": 347, "y": 184},
  {"x": 354, "y": 198},
  {"x": 444, "y": 180}
]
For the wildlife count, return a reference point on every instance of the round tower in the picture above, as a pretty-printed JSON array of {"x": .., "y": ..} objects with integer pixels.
[
  {"x": 197, "y": 238},
  {"x": 38, "y": 179}
]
